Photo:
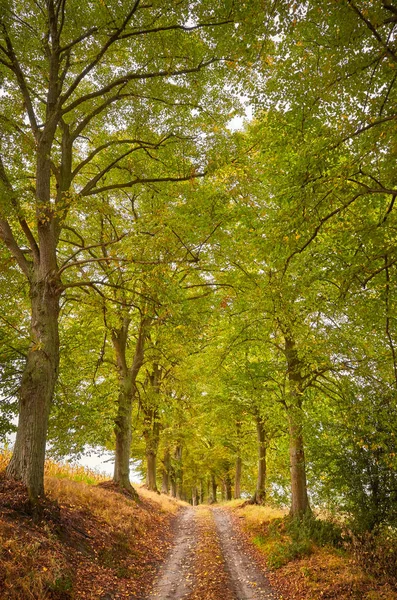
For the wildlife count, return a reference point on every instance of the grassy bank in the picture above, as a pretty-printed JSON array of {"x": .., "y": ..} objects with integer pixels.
[
  {"x": 314, "y": 559},
  {"x": 91, "y": 542}
]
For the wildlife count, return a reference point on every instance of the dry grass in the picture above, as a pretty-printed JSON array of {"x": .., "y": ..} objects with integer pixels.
[
  {"x": 166, "y": 503},
  {"x": 91, "y": 542},
  {"x": 326, "y": 573},
  {"x": 255, "y": 516},
  {"x": 73, "y": 472},
  {"x": 61, "y": 470},
  {"x": 5, "y": 456}
]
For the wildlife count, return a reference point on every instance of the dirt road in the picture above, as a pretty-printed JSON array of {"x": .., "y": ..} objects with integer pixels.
[
  {"x": 175, "y": 579},
  {"x": 248, "y": 581},
  {"x": 209, "y": 562}
]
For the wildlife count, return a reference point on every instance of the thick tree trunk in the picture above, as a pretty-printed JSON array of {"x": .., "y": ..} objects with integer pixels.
[
  {"x": 126, "y": 397},
  {"x": 123, "y": 434},
  {"x": 41, "y": 370},
  {"x": 194, "y": 496},
  {"x": 151, "y": 471},
  {"x": 237, "y": 478},
  {"x": 165, "y": 482},
  {"x": 37, "y": 389},
  {"x": 299, "y": 497}
]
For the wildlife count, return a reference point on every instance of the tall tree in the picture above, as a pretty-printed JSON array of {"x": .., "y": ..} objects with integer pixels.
[{"x": 77, "y": 104}]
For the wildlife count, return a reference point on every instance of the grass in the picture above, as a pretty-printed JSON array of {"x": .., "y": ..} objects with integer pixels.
[
  {"x": 309, "y": 559},
  {"x": 92, "y": 542}
]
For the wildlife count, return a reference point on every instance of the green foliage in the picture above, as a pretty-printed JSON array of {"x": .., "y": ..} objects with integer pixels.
[
  {"x": 290, "y": 538},
  {"x": 269, "y": 284},
  {"x": 377, "y": 552}
]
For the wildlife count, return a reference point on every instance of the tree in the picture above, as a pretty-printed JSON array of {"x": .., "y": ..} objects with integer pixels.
[{"x": 71, "y": 136}]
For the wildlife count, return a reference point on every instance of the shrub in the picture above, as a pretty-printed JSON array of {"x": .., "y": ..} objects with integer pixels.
[{"x": 376, "y": 551}]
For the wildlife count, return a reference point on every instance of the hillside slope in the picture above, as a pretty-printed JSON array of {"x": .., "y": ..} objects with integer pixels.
[{"x": 90, "y": 542}]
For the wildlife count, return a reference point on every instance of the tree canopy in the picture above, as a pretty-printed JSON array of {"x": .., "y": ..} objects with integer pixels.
[{"x": 217, "y": 303}]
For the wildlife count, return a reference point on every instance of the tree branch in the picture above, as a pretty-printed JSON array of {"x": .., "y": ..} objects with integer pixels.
[
  {"x": 101, "y": 53},
  {"x": 16, "y": 69},
  {"x": 373, "y": 30},
  {"x": 121, "y": 81},
  {"x": 9, "y": 240},
  {"x": 128, "y": 184}
]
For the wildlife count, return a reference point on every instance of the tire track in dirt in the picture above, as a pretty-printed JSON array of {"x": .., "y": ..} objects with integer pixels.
[
  {"x": 175, "y": 579},
  {"x": 212, "y": 579},
  {"x": 209, "y": 561},
  {"x": 248, "y": 581}
]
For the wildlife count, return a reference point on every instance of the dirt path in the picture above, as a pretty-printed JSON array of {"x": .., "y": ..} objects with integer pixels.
[
  {"x": 248, "y": 580},
  {"x": 175, "y": 580},
  {"x": 209, "y": 561}
]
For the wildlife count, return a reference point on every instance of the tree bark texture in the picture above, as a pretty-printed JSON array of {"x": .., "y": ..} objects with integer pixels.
[
  {"x": 165, "y": 482},
  {"x": 260, "y": 492},
  {"x": 178, "y": 472},
  {"x": 238, "y": 467},
  {"x": 228, "y": 486},
  {"x": 299, "y": 497},
  {"x": 237, "y": 478},
  {"x": 125, "y": 400},
  {"x": 151, "y": 426},
  {"x": 37, "y": 388},
  {"x": 214, "y": 487}
]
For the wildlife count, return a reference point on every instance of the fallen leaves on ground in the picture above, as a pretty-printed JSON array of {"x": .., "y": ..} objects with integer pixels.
[
  {"x": 327, "y": 574},
  {"x": 88, "y": 544},
  {"x": 211, "y": 578}
]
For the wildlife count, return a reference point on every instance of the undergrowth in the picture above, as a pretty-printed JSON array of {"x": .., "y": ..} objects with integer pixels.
[{"x": 286, "y": 539}]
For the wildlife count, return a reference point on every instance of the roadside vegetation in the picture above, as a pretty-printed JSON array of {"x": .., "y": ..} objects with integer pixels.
[{"x": 319, "y": 557}]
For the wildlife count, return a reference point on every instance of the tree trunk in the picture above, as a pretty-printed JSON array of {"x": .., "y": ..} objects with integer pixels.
[
  {"x": 152, "y": 437},
  {"x": 123, "y": 433},
  {"x": 260, "y": 492},
  {"x": 126, "y": 397},
  {"x": 37, "y": 389},
  {"x": 151, "y": 429},
  {"x": 165, "y": 483},
  {"x": 194, "y": 496},
  {"x": 201, "y": 492},
  {"x": 299, "y": 497},
  {"x": 237, "y": 479},
  {"x": 151, "y": 471},
  {"x": 228, "y": 486},
  {"x": 179, "y": 472},
  {"x": 214, "y": 487},
  {"x": 173, "y": 485}
]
